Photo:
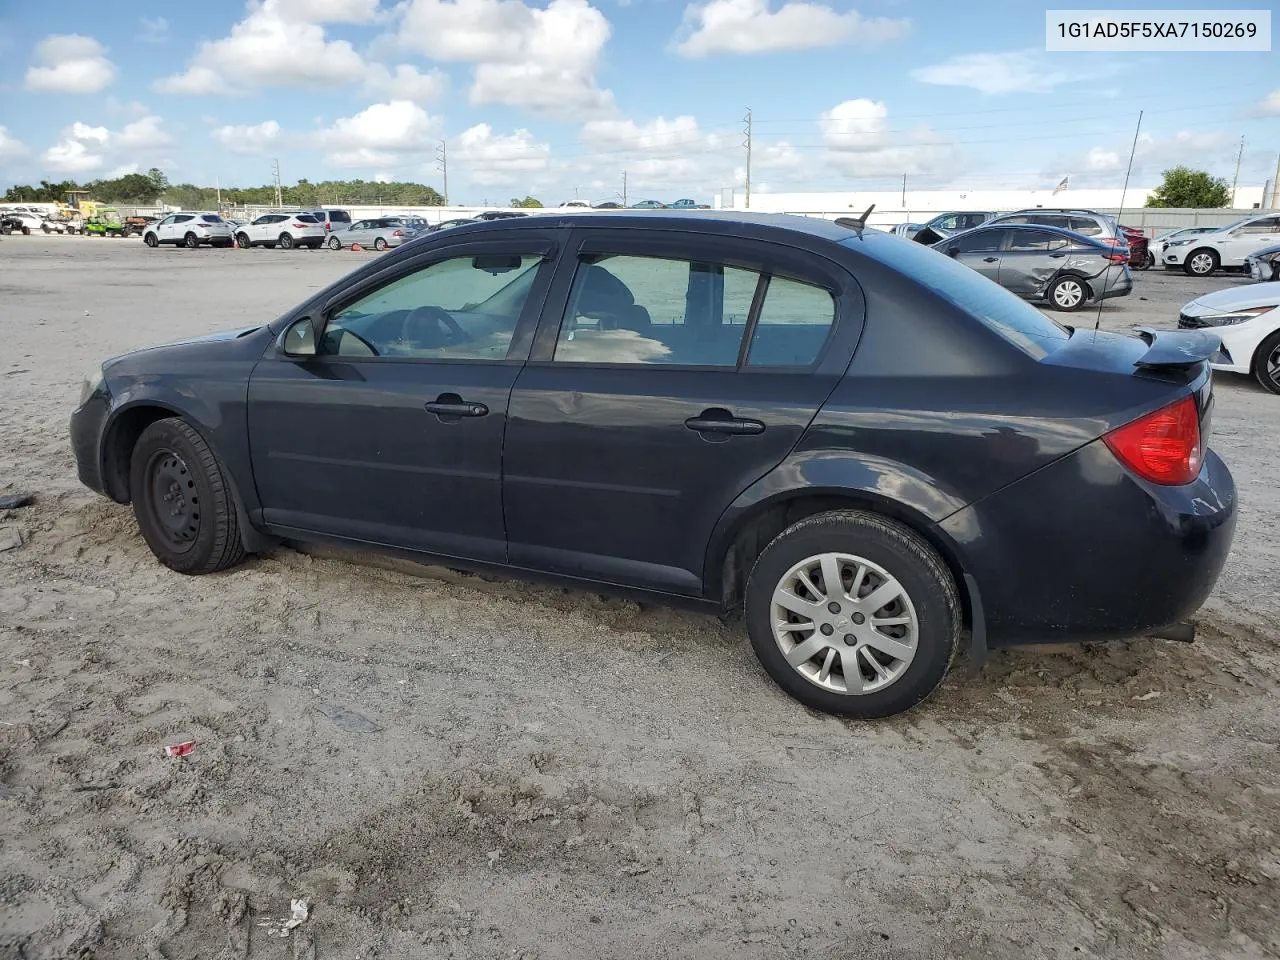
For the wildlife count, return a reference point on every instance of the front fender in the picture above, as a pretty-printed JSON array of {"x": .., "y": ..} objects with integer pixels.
[{"x": 893, "y": 488}]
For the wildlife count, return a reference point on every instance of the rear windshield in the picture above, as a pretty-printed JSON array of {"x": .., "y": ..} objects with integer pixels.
[
  {"x": 989, "y": 303},
  {"x": 211, "y": 218},
  {"x": 339, "y": 216},
  {"x": 306, "y": 218}
]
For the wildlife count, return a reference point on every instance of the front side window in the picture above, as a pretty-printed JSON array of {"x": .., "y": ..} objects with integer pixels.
[
  {"x": 182, "y": 219},
  {"x": 651, "y": 310},
  {"x": 465, "y": 308},
  {"x": 1259, "y": 226},
  {"x": 980, "y": 241}
]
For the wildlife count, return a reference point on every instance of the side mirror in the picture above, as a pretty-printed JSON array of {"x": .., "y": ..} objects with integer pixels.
[{"x": 299, "y": 340}]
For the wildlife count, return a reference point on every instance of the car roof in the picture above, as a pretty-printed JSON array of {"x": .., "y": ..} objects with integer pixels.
[
  {"x": 1040, "y": 227},
  {"x": 707, "y": 221}
]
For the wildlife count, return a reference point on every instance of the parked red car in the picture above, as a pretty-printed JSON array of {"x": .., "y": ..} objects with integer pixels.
[{"x": 1140, "y": 257}]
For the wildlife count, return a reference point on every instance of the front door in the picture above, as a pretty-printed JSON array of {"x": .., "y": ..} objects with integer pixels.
[
  {"x": 170, "y": 228},
  {"x": 263, "y": 229},
  {"x": 392, "y": 433},
  {"x": 670, "y": 372}
]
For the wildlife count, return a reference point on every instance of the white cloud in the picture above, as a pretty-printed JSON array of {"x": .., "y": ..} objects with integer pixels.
[
  {"x": 406, "y": 83},
  {"x": 659, "y": 137},
  {"x": 380, "y": 135},
  {"x": 1103, "y": 161},
  {"x": 749, "y": 26},
  {"x": 858, "y": 140},
  {"x": 541, "y": 59},
  {"x": 490, "y": 159},
  {"x": 1270, "y": 105},
  {"x": 122, "y": 171},
  {"x": 154, "y": 29},
  {"x": 70, "y": 63},
  {"x": 9, "y": 147},
  {"x": 1214, "y": 151},
  {"x": 1016, "y": 71},
  {"x": 248, "y": 139},
  {"x": 280, "y": 43},
  {"x": 84, "y": 148}
]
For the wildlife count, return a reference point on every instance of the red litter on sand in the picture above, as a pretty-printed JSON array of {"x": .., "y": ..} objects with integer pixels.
[{"x": 180, "y": 749}]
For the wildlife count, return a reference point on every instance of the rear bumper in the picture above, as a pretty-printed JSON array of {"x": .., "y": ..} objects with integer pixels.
[
  {"x": 1115, "y": 281},
  {"x": 1083, "y": 550}
]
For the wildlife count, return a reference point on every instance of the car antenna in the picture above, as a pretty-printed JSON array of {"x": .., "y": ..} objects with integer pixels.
[
  {"x": 1120, "y": 213},
  {"x": 856, "y": 223}
]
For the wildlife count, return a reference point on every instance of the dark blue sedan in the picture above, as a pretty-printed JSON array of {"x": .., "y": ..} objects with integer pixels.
[{"x": 863, "y": 445}]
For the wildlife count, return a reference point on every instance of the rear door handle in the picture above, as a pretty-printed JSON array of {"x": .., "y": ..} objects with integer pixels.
[
  {"x": 990, "y": 259},
  {"x": 1056, "y": 256},
  {"x": 717, "y": 424},
  {"x": 450, "y": 406}
]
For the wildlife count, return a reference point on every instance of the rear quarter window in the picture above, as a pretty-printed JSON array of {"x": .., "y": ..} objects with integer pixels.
[
  {"x": 306, "y": 218},
  {"x": 211, "y": 218},
  {"x": 339, "y": 216},
  {"x": 986, "y": 302}
]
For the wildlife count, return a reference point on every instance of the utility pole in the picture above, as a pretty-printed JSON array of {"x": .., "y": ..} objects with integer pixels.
[
  {"x": 218, "y": 186},
  {"x": 1236, "y": 182},
  {"x": 1275, "y": 185},
  {"x": 904, "y": 191},
  {"x": 624, "y": 188},
  {"x": 747, "y": 143},
  {"x": 275, "y": 176},
  {"x": 442, "y": 164}
]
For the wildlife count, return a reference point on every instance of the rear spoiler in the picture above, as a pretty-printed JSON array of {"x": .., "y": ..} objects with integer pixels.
[{"x": 1180, "y": 348}]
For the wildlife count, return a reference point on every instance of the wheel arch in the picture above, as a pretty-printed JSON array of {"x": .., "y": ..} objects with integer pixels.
[
  {"x": 120, "y": 436},
  {"x": 735, "y": 548}
]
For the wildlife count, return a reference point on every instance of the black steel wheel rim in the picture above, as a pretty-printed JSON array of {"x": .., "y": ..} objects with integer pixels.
[
  {"x": 175, "y": 503},
  {"x": 1273, "y": 366}
]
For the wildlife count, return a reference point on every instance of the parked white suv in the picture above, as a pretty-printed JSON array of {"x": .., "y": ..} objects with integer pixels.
[
  {"x": 1229, "y": 247},
  {"x": 189, "y": 229},
  {"x": 285, "y": 230}
]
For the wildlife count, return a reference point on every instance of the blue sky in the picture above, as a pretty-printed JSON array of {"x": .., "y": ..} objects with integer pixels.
[{"x": 558, "y": 97}]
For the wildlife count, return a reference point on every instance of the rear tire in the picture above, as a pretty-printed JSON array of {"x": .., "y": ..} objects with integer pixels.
[
  {"x": 335, "y": 243},
  {"x": 182, "y": 501},
  {"x": 1266, "y": 363},
  {"x": 1067, "y": 294},
  {"x": 1201, "y": 263},
  {"x": 151, "y": 240},
  {"x": 927, "y": 604},
  {"x": 379, "y": 244},
  {"x": 1147, "y": 262},
  {"x": 191, "y": 241},
  {"x": 286, "y": 241}
]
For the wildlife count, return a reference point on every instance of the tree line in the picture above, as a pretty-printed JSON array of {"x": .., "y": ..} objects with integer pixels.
[{"x": 147, "y": 189}]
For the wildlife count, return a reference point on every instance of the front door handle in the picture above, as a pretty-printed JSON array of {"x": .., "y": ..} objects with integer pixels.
[
  {"x": 1056, "y": 256},
  {"x": 449, "y": 407},
  {"x": 990, "y": 259},
  {"x": 719, "y": 424}
]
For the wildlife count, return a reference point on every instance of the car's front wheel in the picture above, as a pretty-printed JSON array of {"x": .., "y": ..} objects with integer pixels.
[
  {"x": 151, "y": 240},
  {"x": 242, "y": 241},
  {"x": 1067, "y": 293},
  {"x": 182, "y": 501},
  {"x": 854, "y": 614},
  {"x": 1266, "y": 363},
  {"x": 1201, "y": 263}
]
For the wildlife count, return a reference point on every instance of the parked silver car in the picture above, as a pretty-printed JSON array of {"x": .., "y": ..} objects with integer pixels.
[
  {"x": 378, "y": 234},
  {"x": 1043, "y": 263},
  {"x": 949, "y": 223},
  {"x": 286, "y": 230},
  {"x": 1097, "y": 226}
]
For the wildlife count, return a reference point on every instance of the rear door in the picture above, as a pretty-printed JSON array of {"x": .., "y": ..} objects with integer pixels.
[
  {"x": 1030, "y": 260},
  {"x": 392, "y": 433},
  {"x": 670, "y": 371}
]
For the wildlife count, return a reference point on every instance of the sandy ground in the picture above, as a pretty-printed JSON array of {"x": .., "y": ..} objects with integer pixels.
[{"x": 447, "y": 766}]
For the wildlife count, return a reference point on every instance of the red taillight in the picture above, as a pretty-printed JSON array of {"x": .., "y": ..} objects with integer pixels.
[
  {"x": 301, "y": 226},
  {"x": 1118, "y": 257},
  {"x": 1163, "y": 446},
  {"x": 397, "y": 233}
]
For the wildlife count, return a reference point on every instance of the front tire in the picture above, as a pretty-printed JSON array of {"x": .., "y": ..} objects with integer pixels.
[
  {"x": 151, "y": 240},
  {"x": 191, "y": 241},
  {"x": 182, "y": 501},
  {"x": 1067, "y": 293},
  {"x": 1201, "y": 263},
  {"x": 1266, "y": 363},
  {"x": 335, "y": 243},
  {"x": 854, "y": 614},
  {"x": 286, "y": 241},
  {"x": 242, "y": 241}
]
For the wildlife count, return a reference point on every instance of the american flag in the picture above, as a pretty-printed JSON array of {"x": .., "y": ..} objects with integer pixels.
[{"x": 1062, "y": 185}]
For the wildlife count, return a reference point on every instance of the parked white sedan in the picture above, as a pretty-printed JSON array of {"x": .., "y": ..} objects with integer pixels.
[
  {"x": 1229, "y": 247},
  {"x": 1247, "y": 320}
]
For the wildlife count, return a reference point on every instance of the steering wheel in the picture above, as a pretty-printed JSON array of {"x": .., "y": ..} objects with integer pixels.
[{"x": 454, "y": 333}]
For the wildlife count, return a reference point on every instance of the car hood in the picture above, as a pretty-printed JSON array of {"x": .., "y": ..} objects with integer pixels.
[
  {"x": 1270, "y": 251},
  {"x": 1234, "y": 298}
]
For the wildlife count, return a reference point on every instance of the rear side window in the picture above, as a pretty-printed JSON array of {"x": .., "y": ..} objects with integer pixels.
[
  {"x": 793, "y": 324},
  {"x": 988, "y": 303},
  {"x": 306, "y": 218},
  {"x": 1087, "y": 226},
  {"x": 211, "y": 218},
  {"x": 1027, "y": 241}
]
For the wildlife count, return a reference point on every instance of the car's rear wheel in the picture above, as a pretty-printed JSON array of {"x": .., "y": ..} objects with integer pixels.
[
  {"x": 853, "y": 613},
  {"x": 286, "y": 241},
  {"x": 151, "y": 240},
  {"x": 1067, "y": 293},
  {"x": 335, "y": 243},
  {"x": 191, "y": 241},
  {"x": 242, "y": 241},
  {"x": 1147, "y": 262},
  {"x": 379, "y": 244},
  {"x": 181, "y": 500},
  {"x": 1266, "y": 363},
  {"x": 1201, "y": 263}
]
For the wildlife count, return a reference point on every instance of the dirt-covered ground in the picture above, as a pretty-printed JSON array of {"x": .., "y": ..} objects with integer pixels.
[{"x": 448, "y": 766}]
